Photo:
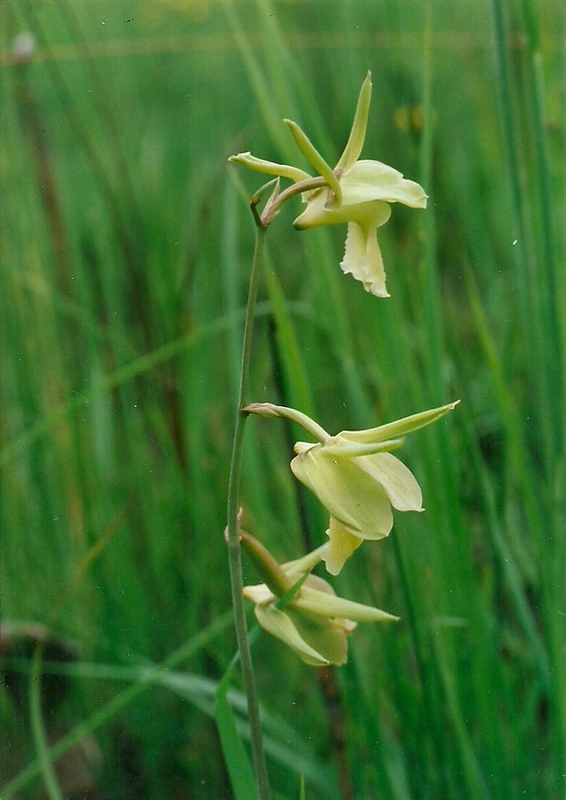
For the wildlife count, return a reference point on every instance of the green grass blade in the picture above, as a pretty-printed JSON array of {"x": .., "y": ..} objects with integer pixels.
[{"x": 235, "y": 755}]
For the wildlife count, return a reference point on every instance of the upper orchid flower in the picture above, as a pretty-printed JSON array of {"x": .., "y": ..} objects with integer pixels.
[
  {"x": 302, "y": 610},
  {"x": 356, "y": 193},
  {"x": 355, "y": 477}
]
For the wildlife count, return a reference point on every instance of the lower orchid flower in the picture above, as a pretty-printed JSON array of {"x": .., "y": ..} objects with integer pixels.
[{"x": 302, "y": 610}]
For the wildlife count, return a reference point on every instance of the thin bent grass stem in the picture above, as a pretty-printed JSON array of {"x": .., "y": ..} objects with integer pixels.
[{"x": 233, "y": 534}]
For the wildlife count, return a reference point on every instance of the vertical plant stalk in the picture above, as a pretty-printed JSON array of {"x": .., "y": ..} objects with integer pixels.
[{"x": 233, "y": 534}]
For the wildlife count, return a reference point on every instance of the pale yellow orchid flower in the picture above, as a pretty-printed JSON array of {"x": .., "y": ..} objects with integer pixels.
[
  {"x": 355, "y": 477},
  {"x": 302, "y": 610},
  {"x": 356, "y": 193}
]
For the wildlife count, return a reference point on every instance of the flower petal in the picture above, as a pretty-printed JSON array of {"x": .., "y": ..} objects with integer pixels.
[
  {"x": 349, "y": 493},
  {"x": 295, "y": 569},
  {"x": 270, "y": 167},
  {"x": 279, "y": 624},
  {"x": 259, "y": 593},
  {"x": 373, "y": 180},
  {"x": 358, "y": 133},
  {"x": 398, "y": 481},
  {"x": 328, "y": 637},
  {"x": 320, "y": 212},
  {"x": 340, "y": 547},
  {"x": 393, "y": 430},
  {"x": 363, "y": 259},
  {"x": 344, "y": 612},
  {"x": 314, "y": 158},
  {"x": 346, "y": 447}
]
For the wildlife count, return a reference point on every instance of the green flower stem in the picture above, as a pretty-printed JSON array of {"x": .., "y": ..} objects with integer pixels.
[
  {"x": 269, "y": 570},
  {"x": 273, "y": 207},
  {"x": 233, "y": 533}
]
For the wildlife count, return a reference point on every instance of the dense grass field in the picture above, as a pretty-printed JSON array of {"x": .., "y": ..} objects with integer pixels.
[{"x": 125, "y": 249}]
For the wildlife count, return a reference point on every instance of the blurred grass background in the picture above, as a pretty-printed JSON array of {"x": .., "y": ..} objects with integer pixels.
[{"x": 125, "y": 249}]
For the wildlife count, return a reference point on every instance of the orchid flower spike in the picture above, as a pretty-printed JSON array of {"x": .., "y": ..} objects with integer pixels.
[
  {"x": 355, "y": 477},
  {"x": 302, "y": 610},
  {"x": 356, "y": 192}
]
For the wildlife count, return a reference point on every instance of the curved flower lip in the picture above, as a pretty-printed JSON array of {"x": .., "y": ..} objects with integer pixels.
[
  {"x": 371, "y": 214},
  {"x": 366, "y": 189}
]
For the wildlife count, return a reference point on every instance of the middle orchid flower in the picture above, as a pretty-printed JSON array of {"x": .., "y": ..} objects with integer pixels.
[
  {"x": 356, "y": 193},
  {"x": 355, "y": 477}
]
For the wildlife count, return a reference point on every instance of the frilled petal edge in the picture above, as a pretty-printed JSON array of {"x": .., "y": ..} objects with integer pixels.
[{"x": 363, "y": 259}]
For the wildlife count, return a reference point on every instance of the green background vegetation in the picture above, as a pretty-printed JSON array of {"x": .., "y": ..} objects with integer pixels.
[{"x": 125, "y": 250}]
